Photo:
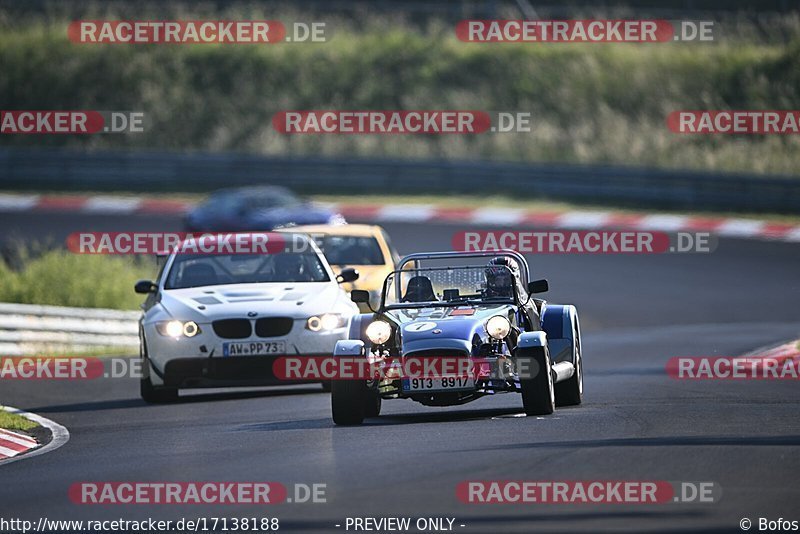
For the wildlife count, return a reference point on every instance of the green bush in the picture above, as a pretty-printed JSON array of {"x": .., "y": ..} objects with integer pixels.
[
  {"x": 61, "y": 278},
  {"x": 603, "y": 103}
]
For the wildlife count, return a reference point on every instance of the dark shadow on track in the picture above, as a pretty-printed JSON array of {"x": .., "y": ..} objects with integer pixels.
[
  {"x": 667, "y": 441},
  {"x": 188, "y": 399},
  {"x": 384, "y": 420}
]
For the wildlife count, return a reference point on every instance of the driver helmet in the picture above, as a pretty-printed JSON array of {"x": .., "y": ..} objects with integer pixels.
[{"x": 501, "y": 275}]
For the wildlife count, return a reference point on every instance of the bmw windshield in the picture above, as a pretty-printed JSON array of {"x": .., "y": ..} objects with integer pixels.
[{"x": 198, "y": 270}]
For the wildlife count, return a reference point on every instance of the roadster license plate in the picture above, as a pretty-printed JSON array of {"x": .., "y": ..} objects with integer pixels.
[
  {"x": 254, "y": 348},
  {"x": 444, "y": 383}
]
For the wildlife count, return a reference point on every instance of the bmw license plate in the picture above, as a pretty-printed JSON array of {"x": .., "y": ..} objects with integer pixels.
[
  {"x": 254, "y": 348},
  {"x": 444, "y": 383}
]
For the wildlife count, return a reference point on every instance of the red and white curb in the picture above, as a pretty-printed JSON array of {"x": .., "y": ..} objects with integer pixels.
[
  {"x": 15, "y": 446},
  {"x": 91, "y": 204},
  {"x": 489, "y": 216},
  {"x": 13, "y": 443}
]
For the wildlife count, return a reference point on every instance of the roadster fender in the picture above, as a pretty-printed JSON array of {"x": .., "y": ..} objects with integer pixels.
[
  {"x": 349, "y": 347},
  {"x": 561, "y": 370},
  {"x": 532, "y": 339},
  {"x": 560, "y": 323},
  {"x": 359, "y": 324}
]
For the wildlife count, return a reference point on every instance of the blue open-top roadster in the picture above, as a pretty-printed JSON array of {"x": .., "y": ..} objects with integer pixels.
[{"x": 447, "y": 307}]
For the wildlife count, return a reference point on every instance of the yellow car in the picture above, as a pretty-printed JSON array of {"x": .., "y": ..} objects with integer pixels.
[{"x": 364, "y": 247}]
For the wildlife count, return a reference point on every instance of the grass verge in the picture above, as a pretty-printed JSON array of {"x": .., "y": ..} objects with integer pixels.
[
  {"x": 61, "y": 278},
  {"x": 93, "y": 352},
  {"x": 12, "y": 421}
]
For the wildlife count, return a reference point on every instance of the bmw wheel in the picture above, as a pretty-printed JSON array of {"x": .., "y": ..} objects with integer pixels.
[{"x": 149, "y": 392}]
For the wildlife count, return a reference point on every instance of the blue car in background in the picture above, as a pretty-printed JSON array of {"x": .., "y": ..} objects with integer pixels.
[{"x": 248, "y": 209}]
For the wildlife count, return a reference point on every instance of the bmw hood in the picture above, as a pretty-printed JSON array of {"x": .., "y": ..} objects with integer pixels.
[{"x": 296, "y": 300}]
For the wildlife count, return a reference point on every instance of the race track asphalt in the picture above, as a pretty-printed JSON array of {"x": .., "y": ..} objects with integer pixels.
[{"x": 636, "y": 423}]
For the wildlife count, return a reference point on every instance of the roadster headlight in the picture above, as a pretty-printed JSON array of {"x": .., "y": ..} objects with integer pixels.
[
  {"x": 498, "y": 327},
  {"x": 177, "y": 328},
  {"x": 326, "y": 321},
  {"x": 379, "y": 332}
]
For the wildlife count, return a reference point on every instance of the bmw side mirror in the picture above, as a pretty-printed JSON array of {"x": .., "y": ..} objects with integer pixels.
[
  {"x": 359, "y": 296},
  {"x": 347, "y": 275},
  {"x": 538, "y": 286},
  {"x": 145, "y": 286}
]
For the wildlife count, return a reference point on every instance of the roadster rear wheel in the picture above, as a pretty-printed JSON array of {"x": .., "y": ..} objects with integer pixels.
[{"x": 538, "y": 391}]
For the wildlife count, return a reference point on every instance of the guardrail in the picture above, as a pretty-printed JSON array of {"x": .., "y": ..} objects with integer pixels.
[
  {"x": 34, "y": 329},
  {"x": 60, "y": 170}
]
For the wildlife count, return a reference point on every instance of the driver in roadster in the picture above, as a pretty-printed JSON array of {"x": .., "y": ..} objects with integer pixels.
[{"x": 502, "y": 278}]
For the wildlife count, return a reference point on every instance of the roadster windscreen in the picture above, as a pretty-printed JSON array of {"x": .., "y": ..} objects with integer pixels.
[
  {"x": 197, "y": 270},
  {"x": 448, "y": 286}
]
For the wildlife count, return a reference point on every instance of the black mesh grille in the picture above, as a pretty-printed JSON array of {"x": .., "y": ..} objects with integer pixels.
[
  {"x": 437, "y": 353},
  {"x": 273, "y": 326},
  {"x": 232, "y": 328}
]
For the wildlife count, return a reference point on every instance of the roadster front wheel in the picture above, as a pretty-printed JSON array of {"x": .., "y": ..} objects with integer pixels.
[
  {"x": 348, "y": 401},
  {"x": 538, "y": 391}
]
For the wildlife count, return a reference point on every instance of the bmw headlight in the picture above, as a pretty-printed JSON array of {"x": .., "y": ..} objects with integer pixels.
[
  {"x": 326, "y": 321},
  {"x": 379, "y": 332},
  {"x": 177, "y": 329},
  {"x": 190, "y": 329},
  {"x": 498, "y": 327}
]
